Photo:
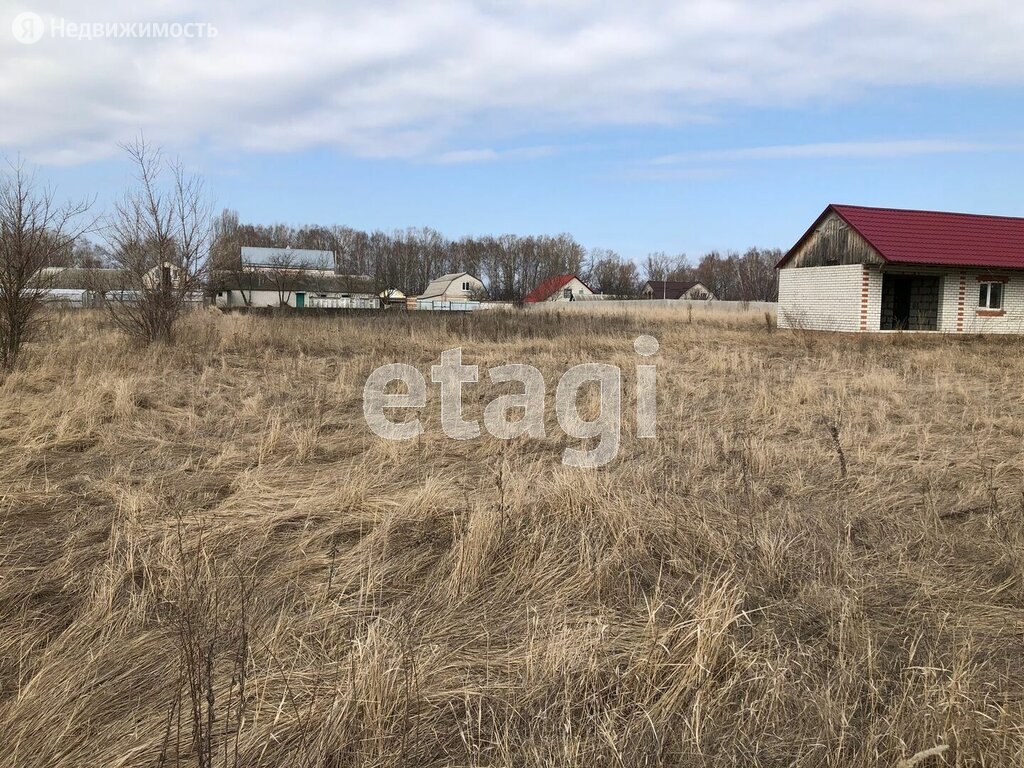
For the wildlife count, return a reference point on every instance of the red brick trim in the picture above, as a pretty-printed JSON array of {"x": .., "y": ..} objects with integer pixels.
[
  {"x": 993, "y": 279},
  {"x": 865, "y": 292},
  {"x": 991, "y": 312},
  {"x": 961, "y": 297}
]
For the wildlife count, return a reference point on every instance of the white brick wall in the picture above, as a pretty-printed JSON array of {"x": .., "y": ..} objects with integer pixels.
[
  {"x": 829, "y": 299},
  {"x": 949, "y": 302},
  {"x": 824, "y": 298},
  {"x": 874, "y": 313},
  {"x": 256, "y": 298},
  {"x": 1013, "y": 304}
]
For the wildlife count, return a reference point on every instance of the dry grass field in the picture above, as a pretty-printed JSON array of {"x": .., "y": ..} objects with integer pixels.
[{"x": 207, "y": 559}]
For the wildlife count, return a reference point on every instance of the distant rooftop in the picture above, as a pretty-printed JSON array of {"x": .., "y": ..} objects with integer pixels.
[
  {"x": 293, "y": 257},
  {"x": 543, "y": 291},
  {"x": 671, "y": 289},
  {"x": 439, "y": 285}
]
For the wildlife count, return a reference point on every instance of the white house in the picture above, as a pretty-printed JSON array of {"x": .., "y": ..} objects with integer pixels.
[
  {"x": 290, "y": 277},
  {"x": 881, "y": 269},
  {"x": 298, "y": 290},
  {"x": 560, "y": 288},
  {"x": 393, "y": 296},
  {"x": 459, "y": 291}
]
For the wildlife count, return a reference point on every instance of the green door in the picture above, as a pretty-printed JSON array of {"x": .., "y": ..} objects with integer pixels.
[{"x": 300, "y": 300}]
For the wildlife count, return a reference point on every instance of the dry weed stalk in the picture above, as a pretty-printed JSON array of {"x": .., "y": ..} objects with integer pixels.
[{"x": 207, "y": 560}]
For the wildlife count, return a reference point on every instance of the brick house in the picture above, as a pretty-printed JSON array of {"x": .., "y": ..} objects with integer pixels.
[
  {"x": 560, "y": 288},
  {"x": 880, "y": 269}
]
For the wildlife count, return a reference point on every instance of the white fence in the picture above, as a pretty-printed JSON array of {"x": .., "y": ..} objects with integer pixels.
[
  {"x": 439, "y": 305},
  {"x": 342, "y": 302},
  {"x": 80, "y": 298},
  {"x": 646, "y": 305}
]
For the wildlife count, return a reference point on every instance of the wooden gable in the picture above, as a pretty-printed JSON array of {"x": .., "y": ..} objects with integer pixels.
[{"x": 832, "y": 242}]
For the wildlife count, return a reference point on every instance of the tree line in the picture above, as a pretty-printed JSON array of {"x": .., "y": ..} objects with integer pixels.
[
  {"x": 510, "y": 266},
  {"x": 165, "y": 244}
]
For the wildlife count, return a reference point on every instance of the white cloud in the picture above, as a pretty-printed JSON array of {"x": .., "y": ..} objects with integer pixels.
[
  {"x": 848, "y": 149},
  {"x": 462, "y": 156},
  {"x": 410, "y": 78}
]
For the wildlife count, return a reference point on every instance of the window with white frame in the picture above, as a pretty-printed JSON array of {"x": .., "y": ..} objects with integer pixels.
[
  {"x": 990, "y": 296},
  {"x": 465, "y": 286}
]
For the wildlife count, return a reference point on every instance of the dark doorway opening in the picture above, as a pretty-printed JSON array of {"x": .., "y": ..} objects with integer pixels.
[
  {"x": 901, "y": 302},
  {"x": 910, "y": 302}
]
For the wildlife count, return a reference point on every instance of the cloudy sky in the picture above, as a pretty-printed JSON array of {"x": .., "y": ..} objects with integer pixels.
[{"x": 677, "y": 126}]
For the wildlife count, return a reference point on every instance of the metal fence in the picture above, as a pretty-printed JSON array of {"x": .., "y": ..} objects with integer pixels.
[
  {"x": 439, "y": 305},
  {"x": 342, "y": 302}
]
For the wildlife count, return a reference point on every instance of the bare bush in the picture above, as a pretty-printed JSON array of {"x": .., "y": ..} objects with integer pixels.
[
  {"x": 159, "y": 237},
  {"x": 207, "y": 614},
  {"x": 36, "y": 232}
]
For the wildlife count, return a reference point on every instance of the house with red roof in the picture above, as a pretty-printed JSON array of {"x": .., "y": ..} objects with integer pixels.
[
  {"x": 560, "y": 288},
  {"x": 883, "y": 269}
]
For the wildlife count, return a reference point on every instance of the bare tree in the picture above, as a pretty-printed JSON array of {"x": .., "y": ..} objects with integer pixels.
[
  {"x": 322, "y": 275},
  {"x": 225, "y": 267},
  {"x": 238, "y": 276},
  {"x": 89, "y": 255},
  {"x": 732, "y": 277},
  {"x": 35, "y": 233},
  {"x": 246, "y": 278},
  {"x": 159, "y": 236},
  {"x": 758, "y": 279},
  {"x": 225, "y": 245},
  {"x": 613, "y": 274},
  {"x": 657, "y": 266},
  {"x": 284, "y": 267}
]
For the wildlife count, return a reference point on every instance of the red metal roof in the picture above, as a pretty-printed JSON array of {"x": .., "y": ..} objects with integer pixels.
[
  {"x": 548, "y": 287},
  {"x": 936, "y": 238}
]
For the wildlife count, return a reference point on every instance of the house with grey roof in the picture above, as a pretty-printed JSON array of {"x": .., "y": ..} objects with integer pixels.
[
  {"x": 288, "y": 259},
  {"x": 291, "y": 277}
]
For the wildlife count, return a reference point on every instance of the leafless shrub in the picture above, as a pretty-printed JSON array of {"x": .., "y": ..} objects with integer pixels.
[
  {"x": 159, "y": 236},
  {"x": 36, "y": 233},
  {"x": 833, "y": 423},
  {"x": 209, "y": 625}
]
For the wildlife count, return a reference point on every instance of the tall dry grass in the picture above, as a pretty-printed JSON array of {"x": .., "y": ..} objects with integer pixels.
[{"x": 207, "y": 559}]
